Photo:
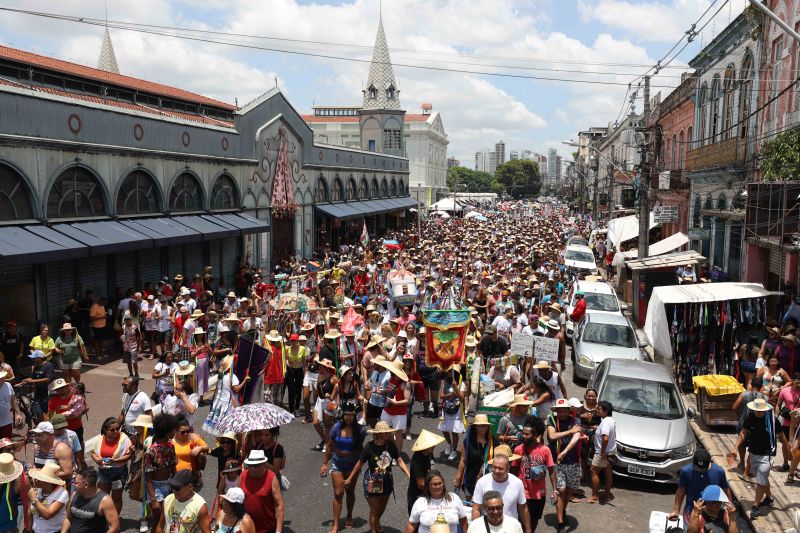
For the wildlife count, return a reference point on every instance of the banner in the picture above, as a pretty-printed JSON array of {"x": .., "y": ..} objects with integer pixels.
[
  {"x": 522, "y": 344},
  {"x": 251, "y": 360},
  {"x": 446, "y": 331},
  {"x": 546, "y": 349},
  {"x": 364, "y": 236}
]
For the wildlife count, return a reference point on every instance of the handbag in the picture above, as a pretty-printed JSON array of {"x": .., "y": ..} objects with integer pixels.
[{"x": 375, "y": 483}]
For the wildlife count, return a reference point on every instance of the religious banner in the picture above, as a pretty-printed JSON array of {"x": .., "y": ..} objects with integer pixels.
[
  {"x": 446, "y": 331},
  {"x": 251, "y": 360}
]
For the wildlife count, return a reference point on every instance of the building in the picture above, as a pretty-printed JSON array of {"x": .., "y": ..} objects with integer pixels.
[
  {"x": 551, "y": 167},
  {"x": 526, "y": 154},
  {"x": 113, "y": 182},
  {"x": 721, "y": 160},
  {"x": 541, "y": 160},
  {"x": 514, "y": 155},
  {"x": 453, "y": 162},
  {"x": 500, "y": 152},
  {"x": 482, "y": 161},
  {"x": 613, "y": 160},
  {"x": 492, "y": 163},
  {"x": 558, "y": 170},
  {"x": 380, "y": 125}
]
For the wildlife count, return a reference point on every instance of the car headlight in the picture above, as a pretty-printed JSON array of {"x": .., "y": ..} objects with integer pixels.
[
  {"x": 585, "y": 361},
  {"x": 683, "y": 451}
]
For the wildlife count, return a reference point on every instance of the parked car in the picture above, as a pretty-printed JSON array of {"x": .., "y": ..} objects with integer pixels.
[
  {"x": 601, "y": 336},
  {"x": 600, "y": 298},
  {"x": 579, "y": 260},
  {"x": 654, "y": 440}
]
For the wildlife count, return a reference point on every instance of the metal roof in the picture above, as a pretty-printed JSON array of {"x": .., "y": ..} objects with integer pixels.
[{"x": 665, "y": 261}]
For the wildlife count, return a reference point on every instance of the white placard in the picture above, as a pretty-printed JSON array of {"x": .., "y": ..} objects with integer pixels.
[
  {"x": 546, "y": 349},
  {"x": 522, "y": 344}
]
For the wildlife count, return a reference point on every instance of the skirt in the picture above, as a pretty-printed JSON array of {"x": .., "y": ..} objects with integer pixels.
[
  {"x": 398, "y": 422},
  {"x": 452, "y": 424},
  {"x": 218, "y": 411},
  {"x": 201, "y": 376}
]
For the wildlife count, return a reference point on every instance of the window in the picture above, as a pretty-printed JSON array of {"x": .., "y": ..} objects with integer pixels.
[
  {"x": 703, "y": 114},
  {"x": 715, "y": 119},
  {"x": 338, "y": 191},
  {"x": 15, "y": 197},
  {"x": 75, "y": 193},
  {"x": 371, "y": 145},
  {"x": 375, "y": 188},
  {"x": 224, "y": 194},
  {"x": 745, "y": 95},
  {"x": 321, "y": 192},
  {"x": 392, "y": 139},
  {"x": 384, "y": 188},
  {"x": 727, "y": 102},
  {"x": 674, "y": 156},
  {"x": 363, "y": 189},
  {"x": 390, "y": 92},
  {"x": 696, "y": 217},
  {"x": 138, "y": 194},
  {"x": 777, "y": 77},
  {"x": 721, "y": 203},
  {"x": 393, "y": 188},
  {"x": 680, "y": 150},
  {"x": 352, "y": 192},
  {"x": 186, "y": 194},
  {"x": 689, "y": 138},
  {"x": 373, "y": 92},
  {"x": 402, "y": 189}
]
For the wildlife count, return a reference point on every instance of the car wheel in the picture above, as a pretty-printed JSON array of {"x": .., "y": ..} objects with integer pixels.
[{"x": 575, "y": 379}]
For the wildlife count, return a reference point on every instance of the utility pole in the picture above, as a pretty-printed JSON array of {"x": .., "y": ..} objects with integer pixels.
[
  {"x": 610, "y": 200},
  {"x": 596, "y": 170},
  {"x": 644, "y": 177}
]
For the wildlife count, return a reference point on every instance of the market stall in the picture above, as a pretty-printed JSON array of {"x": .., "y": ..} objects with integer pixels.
[{"x": 695, "y": 327}]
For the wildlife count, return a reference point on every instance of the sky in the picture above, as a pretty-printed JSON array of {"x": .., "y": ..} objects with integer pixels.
[{"x": 459, "y": 42}]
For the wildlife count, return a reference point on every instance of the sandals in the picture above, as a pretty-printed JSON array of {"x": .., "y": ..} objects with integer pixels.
[
  {"x": 790, "y": 478},
  {"x": 348, "y": 523}
]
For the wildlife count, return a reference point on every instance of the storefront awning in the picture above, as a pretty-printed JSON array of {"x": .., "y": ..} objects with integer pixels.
[
  {"x": 106, "y": 236},
  {"x": 208, "y": 227},
  {"x": 400, "y": 203},
  {"x": 340, "y": 211},
  {"x": 36, "y": 244},
  {"x": 245, "y": 223},
  {"x": 164, "y": 231}
]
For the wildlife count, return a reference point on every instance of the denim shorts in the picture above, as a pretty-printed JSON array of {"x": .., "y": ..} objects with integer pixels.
[
  {"x": 343, "y": 464},
  {"x": 162, "y": 489},
  {"x": 112, "y": 474}
]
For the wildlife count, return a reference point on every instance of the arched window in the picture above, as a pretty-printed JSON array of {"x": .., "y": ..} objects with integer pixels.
[
  {"x": 402, "y": 188},
  {"x": 393, "y": 188},
  {"x": 76, "y": 193},
  {"x": 777, "y": 78},
  {"x": 689, "y": 138},
  {"x": 384, "y": 188},
  {"x": 696, "y": 217},
  {"x": 224, "y": 194},
  {"x": 372, "y": 92},
  {"x": 186, "y": 194},
  {"x": 745, "y": 96},
  {"x": 727, "y": 103},
  {"x": 674, "y": 155},
  {"x": 15, "y": 196},
  {"x": 390, "y": 92},
  {"x": 715, "y": 122},
  {"x": 321, "y": 192},
  {"x": 138, "y": 195},
  {"x": 352, "y": 192},
  {"x": 338, "y": 191},
  {"x": 363, "y": 189},
  {"x": 721, "y": 202},
  {"x": 375, "y": 189},
  {"x": 709, "y": 202},
  {"x": 681, "y": 145},
  {"x": 703, "y": 100}
]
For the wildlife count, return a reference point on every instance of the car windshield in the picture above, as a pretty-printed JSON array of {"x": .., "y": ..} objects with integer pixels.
[
  {"x": 612, "y": 334},
  {"x": 578, "y": 240},
  {"x": 601, "y": 302},
  {"x": 576, "y": 255},
  {"x": 639, "y": 397}
]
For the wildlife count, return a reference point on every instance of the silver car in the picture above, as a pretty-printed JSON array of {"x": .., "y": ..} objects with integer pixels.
[
  {"x": 654, "y": 440},
  {"x": 600, "y": 336}
]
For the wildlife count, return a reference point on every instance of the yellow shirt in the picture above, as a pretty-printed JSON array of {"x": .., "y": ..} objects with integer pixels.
[
  {"x": 338, "y": 273},
  {"x": 46, "y": 345},
  {"x": 297, "y": 360},
  {"x": 184, "y": 452}
]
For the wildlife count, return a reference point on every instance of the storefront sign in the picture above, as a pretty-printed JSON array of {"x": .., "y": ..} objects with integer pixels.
[{"x": 665, "y": 214}]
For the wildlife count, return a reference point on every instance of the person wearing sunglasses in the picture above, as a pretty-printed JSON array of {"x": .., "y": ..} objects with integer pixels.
[
  {"x": 493, "y": 519},
  {"x": 111, "y": 452},
  {"x": 191, "y": 450}
]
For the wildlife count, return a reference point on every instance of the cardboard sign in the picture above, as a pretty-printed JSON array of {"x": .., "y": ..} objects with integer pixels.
[
  {"x": 522, "y": 344},
  {"x": 546, "y": 349}
]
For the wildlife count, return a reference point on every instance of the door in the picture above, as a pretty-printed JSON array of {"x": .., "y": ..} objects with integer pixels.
[
  {"x": 126, "y": 270},
  {"x": 60, "y": 288}
]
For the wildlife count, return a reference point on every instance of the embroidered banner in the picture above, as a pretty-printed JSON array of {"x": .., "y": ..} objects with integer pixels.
[{"x": 446, "y": 331}]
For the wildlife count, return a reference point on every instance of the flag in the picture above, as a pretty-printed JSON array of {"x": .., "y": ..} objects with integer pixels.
[
  {"x": 364, "y": 236},
  {"x": 446, "y": 332},
  {"x": 251, "y": 360}
]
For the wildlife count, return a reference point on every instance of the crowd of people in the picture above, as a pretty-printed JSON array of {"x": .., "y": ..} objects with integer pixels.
[{"x": 348, "y": 360}]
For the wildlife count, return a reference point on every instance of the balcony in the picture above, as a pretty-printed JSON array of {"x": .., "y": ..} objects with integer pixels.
[{"x": 724, "y": 153}]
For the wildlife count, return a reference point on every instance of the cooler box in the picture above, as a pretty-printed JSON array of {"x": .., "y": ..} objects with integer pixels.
[
  {"x": 715, "y": 394},
  {"x": 494, "y": 414}
]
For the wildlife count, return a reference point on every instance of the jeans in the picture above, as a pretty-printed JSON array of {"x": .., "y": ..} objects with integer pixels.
[
  {"x": 410, "y": 413},
  {"x": 294, "y": 383}
]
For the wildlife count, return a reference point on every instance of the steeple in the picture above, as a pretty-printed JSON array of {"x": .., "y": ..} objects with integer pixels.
[
  {"x": 108, "y": 60},
  {"x": 381, "y": 90}
]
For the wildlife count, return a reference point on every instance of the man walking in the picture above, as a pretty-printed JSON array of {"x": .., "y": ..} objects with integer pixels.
[
  {"x": 494, "y": 520},
  {"x": 134, "y": 404},
  {"x": 90, "y": 510},
  {"x": 760, "y": 434},
  {"x": 536, "y": 465},
  {"x": 693, "y": 479},
  {"x": 510, "y": 487},
  {"x": 184, "y": 509},
  {"x": 605, "y": 444},
  {"x": 563, "y": 435}
]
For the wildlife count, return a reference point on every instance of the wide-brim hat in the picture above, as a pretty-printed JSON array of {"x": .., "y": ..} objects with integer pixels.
[
  {"x": 199, "y": 331},
  {"x": 55, "y": 385},
  {"x": 226, "y": 363},
  {"x": 231, "y": 295},
  {"x": 426, "y": 440},
  {"x": 308, "y": 326},
  {"x": 561, "y": 403},
  {"x": 48, "y": 473},
  {"x": 344, "y": 369},
  {"x": 184, "y": 368},
  {"x": 66, "y": 326},
  {"x": 9, "y": 468},
  {"x": 274, "y": 336},
  {"x": 143, "y": 421},
  {"x": 233, "y": 317},
  {"x": 556, "y": 306},
  {"x": 327, "y": 363},
  {"x": 553, "y": 324},
  {"x": 520, "y": 399},
  {"x": 759, "y": 404},
  {"x": 395, "y": 367},
  {"x": 542, "y": 365},
  {"x": 481, "y": 419},
  {"x": 197, "y": 313},
  {"x": 332, "y": 334},
  {"x": 381, "y": 427},
  {"x": 504, "y": 449},
  {"x": 789, "y": 337}
]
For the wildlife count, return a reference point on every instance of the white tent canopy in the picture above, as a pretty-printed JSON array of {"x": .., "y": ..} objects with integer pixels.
[
  {"x": 657, "y": 324},
  {"x": 661, "y": 247},
  {"x": 446, "y": 204},
  {"x": 625, "y": 228},
  {"x": 442, "y": 214}
]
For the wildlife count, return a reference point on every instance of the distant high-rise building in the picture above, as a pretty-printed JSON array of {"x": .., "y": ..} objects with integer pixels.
[
  {"x": 492, "y": 163},
  {"x": 558, "y": 169},
  {"x": 526, "y": 154},
  {"x": 453, "y": 162},
  {"x": 551, "y": 165},
  {"x": 514, "y": 155},
  {"x": 482, "y": 161},
  {"x": 500, "y": 152}
]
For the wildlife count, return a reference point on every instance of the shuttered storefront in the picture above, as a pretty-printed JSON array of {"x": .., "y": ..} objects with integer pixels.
[
  {"x": 149, "y": 262},
  {"x": 215, "y": 257},
  {"x": 230, "y": 251},
  {"x": 125, "y": 264},
  {"x": 93, "y": 275},
  {"x": 176, "y": 261},
  {"x": 18, "y": 297},
  {"x": 60, "y": 287},
  {"x": 193, "y": 260}
]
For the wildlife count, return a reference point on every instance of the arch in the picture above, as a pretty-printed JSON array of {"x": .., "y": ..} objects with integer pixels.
[
  {"x": 363, "y": 189},
  {"x": 714, "y": 100},
  {"x": 321, "y": 195},
  {"x": 186, "y": 193},
  {"x": 696, "y": 209},
  {"x": 745, "y": 90},
  {"x": 384, "y": 187},
  {"x": 352, "y": 190},
  {"x": 728, "y": 86},
  {"x": 391, "y": 92},
  {"x": 703, "y": 107},
  {"x": 402, "y": 188},
  {"x": 709, "y": 202},
  {"x": 722, "y": 203},
  {"x": 372, "y": 92},
  {"x": 393, "y": 187},
  {"x": 76, "y": 191},
  {"x": 689, "y": 137},
  {"x": 138, "y": 193},
  {"x": 376, "y": 191},
  {"x": 674, "y": 154},
  {"x": 681, "y": 145},
  {"x": 337, "y": 191},
  {"x": 17, "y": 201},
  {"x": 250, "y": 201},
  {"x": 224, "y": 193}
]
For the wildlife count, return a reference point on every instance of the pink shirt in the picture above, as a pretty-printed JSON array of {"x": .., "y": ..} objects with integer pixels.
[{"x": 791, "y": 400}]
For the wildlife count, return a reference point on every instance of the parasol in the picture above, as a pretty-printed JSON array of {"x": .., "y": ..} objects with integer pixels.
[
  {"x": 254, "y": 417},
  {"x": 391, "y": 244},
  {"x": 290, "y": 301}
]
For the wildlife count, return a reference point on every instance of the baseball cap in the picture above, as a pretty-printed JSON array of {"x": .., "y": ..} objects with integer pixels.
[
  {"x": 181, "y": 479},
  {"x": 38, "y": 354},
  {"x": 43, "y": 427},
  {"x": 701, "y": 461},
  {"x": 714, "y": 493},
  {"x": 234, "y": 495}
]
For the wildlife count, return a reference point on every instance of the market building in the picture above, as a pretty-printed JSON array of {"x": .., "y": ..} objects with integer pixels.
[{"x": 110, "y": 182}]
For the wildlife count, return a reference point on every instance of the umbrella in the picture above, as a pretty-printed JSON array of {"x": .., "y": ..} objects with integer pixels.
[
  {"x": 254, "y": 417},
  {"x": 442, "y": 214},
  {"x": 290, "y": 301},
  {"x": 391, "y": 244}
]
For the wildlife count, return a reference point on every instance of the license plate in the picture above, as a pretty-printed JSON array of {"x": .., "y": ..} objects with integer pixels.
[{"x": 642, "y": 470}]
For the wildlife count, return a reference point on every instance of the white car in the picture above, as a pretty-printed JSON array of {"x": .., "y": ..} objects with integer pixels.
[
  {"x": 601, "y": 336},
  {"x": 579, "y": 259},
  {"x": 600, "y": 298}
]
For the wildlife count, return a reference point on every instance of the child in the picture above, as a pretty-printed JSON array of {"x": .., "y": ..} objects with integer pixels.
[{"x": 229, "y": 477}]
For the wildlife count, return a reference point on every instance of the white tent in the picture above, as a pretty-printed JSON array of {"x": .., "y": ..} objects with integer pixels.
[
  {"x": 625, "y": 228},
  {"x": 446, "y": 204},
  {"x": 657, "y": 324},
  {"x": 673, "y": 242},
  {"x": 442, "y": 214}
]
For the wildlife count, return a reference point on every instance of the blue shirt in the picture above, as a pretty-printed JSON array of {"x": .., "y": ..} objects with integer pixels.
[{"x": 694, "y": 482}]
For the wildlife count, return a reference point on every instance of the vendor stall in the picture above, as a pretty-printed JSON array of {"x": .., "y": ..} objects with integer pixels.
[{"x": 695, "y": 327}]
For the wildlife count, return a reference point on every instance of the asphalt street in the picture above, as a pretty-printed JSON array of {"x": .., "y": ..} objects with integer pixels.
[{"x": 308, "y": 502}]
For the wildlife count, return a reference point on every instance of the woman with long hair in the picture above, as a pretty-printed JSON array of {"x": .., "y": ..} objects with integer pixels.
[
  {"x": 111, "y": 453},
  {"x": 201, "y": 354},
  {"x": 231, "y": 517},
  {"x": 436, "y": 502},
  {"x": 416, "y": 386},
  {"x": 163, "y": 373},
  {"x": 477, "y": 448},
  {"x": 325, "y": 405},
  {"x": 451, "y": 394},
  {"x": 159, "y": 464},
  {"x": 345, "y": 442}
]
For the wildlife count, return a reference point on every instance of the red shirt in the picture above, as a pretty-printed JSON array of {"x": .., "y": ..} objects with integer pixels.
[
  {"x": 63, "y": 406},
  {"x": 258, "y": 500},
  {"x": 399, "y": 395},
  {"x": 533, "y": 470},
  {"x": 579, "y": 311}
]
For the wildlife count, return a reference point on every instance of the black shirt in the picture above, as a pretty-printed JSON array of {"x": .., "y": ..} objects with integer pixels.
[
  {"x": 10, "y": 345},
  {"x": 557, "y": 445},
  {"x": 476, "y": 457},
  {"x": 326, "y": 352},
  {"x": 420, "y": 466},
  {"x": 45, "y": 370},
  {"x": 372, "y": 453},
  {"x": 85, "y": 514},
  {"x": 490, "y": 348},
  {"x": 762, "y": 436}
]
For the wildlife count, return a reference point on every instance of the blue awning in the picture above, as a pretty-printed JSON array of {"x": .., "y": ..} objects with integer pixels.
[
  {"x": 245, "y": 223},
  {"x": 400, "y": 203},
  {"x": 106, "y": 236},
  {"x": 36, "y": 244},
  {"x": 164, "y": 231},
  {"x": 340, "y": 211},
  {"x": 209, "y": 228}
]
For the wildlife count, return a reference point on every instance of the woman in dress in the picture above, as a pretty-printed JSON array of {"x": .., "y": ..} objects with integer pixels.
[
  {"x": 225, "y": 397},
  {"x": 163, "y": 373},
  {"x": 477, "y": 448},
  {"x": 111, "y": 453},
  {"x": 201, "y": 353},
  {"x": 436, "y": 501},
  {"x": 774, "y": 378},
  {"x": 325, "y": 405},
  {"x": 451, "y": 394},
  {"x": 232, "y": 517},
  {"x": 345, "y": 442},
  {"x": 69, "y": 345},
  {"x": 395, "y": 412},
  {"x": 378, "y": 482}
]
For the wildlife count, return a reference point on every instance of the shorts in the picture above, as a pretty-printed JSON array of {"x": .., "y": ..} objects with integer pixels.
[
  {"x": 320, "y": 408},
  {"x": 568, "y": 476},
  {"x": 344, "y": 465},
  {"x": 373, "y": 411},
  {"x": 160, "y": 337},
  {"x": 748, "y": 367},
  {"x": 99, "y": 334},
  {"x": 130, "y": 357},
  {"x": 398, "y": 422},
  {"x": 161, "y": 489},
  {"x": 310, "y": 380},
  {"x": 115, "y": 475},
  {"x": 761, "y": 464},
  {"x": 430, "y": 377},
  {"x": 599, "y": 462},
  {"x": 536, "y": 508},
  {"x": 39, "y": 406},
  {"x": 76, "y": 365}
]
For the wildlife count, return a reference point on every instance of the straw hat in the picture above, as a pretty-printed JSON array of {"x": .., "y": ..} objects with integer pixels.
[
  {"x": 197, "y": 313},
  {"x": 520, "y": 399},
  {"x": 231, "y": 294},
  {"x": 327, "y": 363},
  {"x": 274, "y": 336},
  {"x": 759, "y": 404},
  {"x": 470, "y": 341},
  {"x": 233, "y": 317},
  {"x": 308, "y": 326},
  {"x": 381, "y": 427},
  {"x": 556, "y": 306},
  {"x": 57, "y": 384},
  {"x": 426, "y": 440},
  {"x": 66, "y": 326},
  {"x": 504, "y": 449},
  {"x": 395, "y": 367},
  {"x": 481, "y": 419},
  {"x": 553, "y": 324},
  {"x": 333, "y": 334},
  {"x": 143, "y": 421},
  {"x": 541, "y": 365},
  {"x": 374, "y": 341},
  {"x": 226, "y": 363},
  {"x": 344, "y": 369},
  {"x": 48, "y": 473},
  {"x": 184, "y": 368},
  {"x": 9, "y": 468},
  {"x": 199, "y": 331}
]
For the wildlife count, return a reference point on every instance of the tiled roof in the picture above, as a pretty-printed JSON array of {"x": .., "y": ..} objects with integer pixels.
[
  {"x": 123, "y": 105},
  {"x": 108, "y": 77},
  {"x": 417, "y": 118},
  {"x": 323, "y": 119}
]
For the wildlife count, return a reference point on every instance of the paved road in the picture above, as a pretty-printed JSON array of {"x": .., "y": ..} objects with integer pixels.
[{"x": 308, "y": 503}]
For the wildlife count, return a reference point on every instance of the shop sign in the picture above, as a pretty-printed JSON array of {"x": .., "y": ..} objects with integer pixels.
[
  {"x": 699, "y": 234},
  {"x": 665, "y": 214}
]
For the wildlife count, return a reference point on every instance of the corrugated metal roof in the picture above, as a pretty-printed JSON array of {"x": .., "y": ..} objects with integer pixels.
[{"x": 665, "y": 261}]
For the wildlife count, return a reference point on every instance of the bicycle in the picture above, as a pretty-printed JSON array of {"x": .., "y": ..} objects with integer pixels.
[{"x": 24, "y": 393}]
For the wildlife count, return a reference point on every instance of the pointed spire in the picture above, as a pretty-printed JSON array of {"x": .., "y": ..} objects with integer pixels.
[
  {"x": 107, "y": 61},
  {"x": 381, "y": 90}
]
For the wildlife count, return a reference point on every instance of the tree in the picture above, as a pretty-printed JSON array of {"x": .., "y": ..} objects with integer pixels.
[
  {"x": 475, "y": 181},
  {"x": 780, "y": 157},
  {"x": 520, "y": 177}
]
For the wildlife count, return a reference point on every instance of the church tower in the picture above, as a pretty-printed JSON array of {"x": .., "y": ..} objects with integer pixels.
[
  {"x": 381, "y": 119},
  {"x": 107, "y": 61}
]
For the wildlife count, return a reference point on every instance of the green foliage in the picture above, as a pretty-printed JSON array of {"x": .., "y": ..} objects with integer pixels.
[
  {"x": 520, "y": 177},
  {"x": 780, "y": 157},
  {"x": 475, "y": 180}
]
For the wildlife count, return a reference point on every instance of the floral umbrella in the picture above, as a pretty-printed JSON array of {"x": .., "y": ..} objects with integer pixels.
[
  {"x": 290, "y": 301},
  {"x": 254, "y": 417}
]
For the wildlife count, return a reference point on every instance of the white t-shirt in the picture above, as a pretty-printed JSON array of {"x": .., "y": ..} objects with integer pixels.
[
  {"x": 6, "y": 393},
  {"x": 224, "y": 392},
  {"x": 509, "y": 525},
  {"x": 174, "y": 406},
  {"x": 165, "y": 383},
  {"x": 512, "y": 490},
  {"x": 608, "y": 426},
  {"x": 51, "y": 525},
  {"x": 425, "y": 514},
  {"x": 503, "y": 326},
  {"x": 139, "y": 406}
]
